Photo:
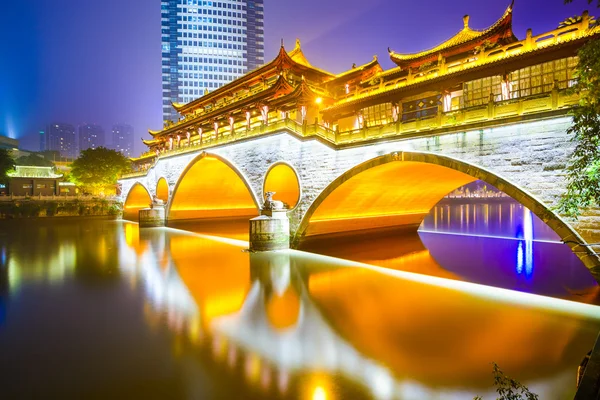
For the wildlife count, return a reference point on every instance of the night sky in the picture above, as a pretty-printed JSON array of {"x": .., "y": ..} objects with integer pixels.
[{"x": 91, "y": 61}]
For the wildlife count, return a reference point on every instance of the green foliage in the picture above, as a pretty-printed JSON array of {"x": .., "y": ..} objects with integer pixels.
[
  {"x": 508, "y": 388},
  {"x": 7, "y": 163},
  {"x": 583, "y": 177},
  {"x": 33, "y": 160},
  {"x": 97, "y": 170}
]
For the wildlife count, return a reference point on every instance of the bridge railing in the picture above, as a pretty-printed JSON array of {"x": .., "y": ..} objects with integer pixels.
[
  {"x": 494, "y": 110},
  {"x": 556, "y": 99},
  {"x": 210, "y": 140}
]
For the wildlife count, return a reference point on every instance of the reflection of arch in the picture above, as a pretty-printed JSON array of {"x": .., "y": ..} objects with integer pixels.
[
  {"x": 283, "y": 179},
  {"x": 137, "y": 198},
  {"x": 162, "y": 190},
  {"x": 211, "y": 187},
  {"x": 399, "y": 189}
]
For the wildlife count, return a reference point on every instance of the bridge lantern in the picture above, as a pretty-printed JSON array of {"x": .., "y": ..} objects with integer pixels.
[
  {"x": 264, "y": 111},
  {"x": 395, "y": 112}
]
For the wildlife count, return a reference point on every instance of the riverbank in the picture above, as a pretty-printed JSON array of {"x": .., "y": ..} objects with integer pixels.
[{"x": 44, "y": 208}]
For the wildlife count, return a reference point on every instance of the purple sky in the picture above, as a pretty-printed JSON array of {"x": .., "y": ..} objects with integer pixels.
[{"x": 99, "y": 61}]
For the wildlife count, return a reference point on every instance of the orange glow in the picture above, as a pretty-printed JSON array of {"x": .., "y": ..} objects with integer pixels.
[
  {"x": 282, "y": 179},
  {"x": 283, "y": 311},
  {"x": 162, "y": 190},
  {"x": 217, "y": 275},
  {"x": 137, "y": 198},
  {"x": 401, "y": 332},
  {"x": 392, "y": 194},
  {"x": 211, "y": 189}
]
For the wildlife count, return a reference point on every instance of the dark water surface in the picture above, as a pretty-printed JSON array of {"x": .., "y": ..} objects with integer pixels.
[{"x": 96, "y": 309}]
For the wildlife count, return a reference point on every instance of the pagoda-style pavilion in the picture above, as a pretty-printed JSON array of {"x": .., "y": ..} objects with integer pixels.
[{"x": 474, "y": 76}]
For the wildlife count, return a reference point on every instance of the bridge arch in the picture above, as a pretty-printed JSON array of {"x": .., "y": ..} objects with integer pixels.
[
  {"x": 283, "y": 179},
  {"x": 162, "y": 189},
  {"x": 138, "y": 197},
  {"x": 212, "y": 187},
  {"x": 400, "y": 188}
]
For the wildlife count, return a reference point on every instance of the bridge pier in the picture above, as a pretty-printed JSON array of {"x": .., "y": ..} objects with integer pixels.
[
  {"x": 270, "y": 231},
  {"x": 152, "y": 217}
]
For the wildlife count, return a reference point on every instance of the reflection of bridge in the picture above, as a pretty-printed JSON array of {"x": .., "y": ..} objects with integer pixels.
[
  {"x": 333, "y": 189},
  {"x": 280, "y": 315}
]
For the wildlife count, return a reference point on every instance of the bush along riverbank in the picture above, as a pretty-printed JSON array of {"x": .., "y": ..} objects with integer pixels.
[{"x": 32, "y": 208}]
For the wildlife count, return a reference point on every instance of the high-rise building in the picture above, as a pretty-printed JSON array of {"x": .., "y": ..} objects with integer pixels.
[
  {"x": 61, "y": 138},
  {"x": 91, "y": 136},
  {"x": 206, "y": 44},
  {"x": 122, "y": 139}
]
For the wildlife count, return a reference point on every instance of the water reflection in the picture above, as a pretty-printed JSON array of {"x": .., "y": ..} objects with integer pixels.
[
  {"x": 494, "y": 217},
  {"x": 300, "y": 325},
  {"x": 132, "y": 313}
]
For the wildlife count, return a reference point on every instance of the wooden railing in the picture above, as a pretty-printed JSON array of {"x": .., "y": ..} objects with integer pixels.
[{"x": 493, "y": 111}]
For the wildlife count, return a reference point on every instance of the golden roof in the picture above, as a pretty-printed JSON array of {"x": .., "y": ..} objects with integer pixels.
[{"x": 464, "y": 36}]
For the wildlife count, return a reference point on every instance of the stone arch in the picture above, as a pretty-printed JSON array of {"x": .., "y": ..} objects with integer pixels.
[
  {"x": 162, "y": 189},
  {"x": 362, "y": 198},
  {"x": 212, "y": 187},
  {"x": 282, "y": 178},
  {"x": 138, "y": 197}
]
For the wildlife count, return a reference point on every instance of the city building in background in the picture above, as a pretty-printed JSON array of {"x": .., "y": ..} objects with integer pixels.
[
  {"x": 61, "y": 137},
  {"x": 91, "y": 136},
  {"x": 206, "y": 44},
  {"x": 122, "y": 139}
]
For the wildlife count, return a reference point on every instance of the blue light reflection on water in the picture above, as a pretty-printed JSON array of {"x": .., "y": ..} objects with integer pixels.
[{"x": 502, "y": 217}]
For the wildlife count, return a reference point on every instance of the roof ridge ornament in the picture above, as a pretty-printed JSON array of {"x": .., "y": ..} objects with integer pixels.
[
  {"x": 297, "y": 44},
  {"x": 466, "y": 21}
]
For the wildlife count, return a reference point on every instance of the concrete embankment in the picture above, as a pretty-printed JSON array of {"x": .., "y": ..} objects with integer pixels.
[{"x": 56, "y": 207}]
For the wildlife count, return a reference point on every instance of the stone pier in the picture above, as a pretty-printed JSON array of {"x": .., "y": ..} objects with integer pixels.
[
  {"x": 152, "y": 217},
  {"x": 270, "y": 230}
]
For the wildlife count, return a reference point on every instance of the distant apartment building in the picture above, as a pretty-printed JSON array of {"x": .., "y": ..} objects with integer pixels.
[
  {"x": 206, "y": 44},
  {"x": 91, "y": 136},
  {"x": 61, "y": 137},
  {"x": 122, "y": 139}
]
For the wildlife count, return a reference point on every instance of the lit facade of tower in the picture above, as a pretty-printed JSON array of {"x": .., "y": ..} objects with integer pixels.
[
  {"x": 91, "y": 136},
  {"x": 206, "y": 44},
  {"x": 61, "y": 138},
  {"x": 122, "y": 139}
]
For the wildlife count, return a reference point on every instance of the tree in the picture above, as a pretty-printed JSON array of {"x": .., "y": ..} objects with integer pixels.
[
  {"x": 583, "y": 171},
  {"x": 7, "y": 163},
  {"x": 34, "y": 160},
  {"x": 509, "y": 388},
  {"x": 97, "y": 170}
]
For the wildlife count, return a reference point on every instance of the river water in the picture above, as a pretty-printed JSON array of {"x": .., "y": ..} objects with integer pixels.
[{"x": 96, "y": 309}]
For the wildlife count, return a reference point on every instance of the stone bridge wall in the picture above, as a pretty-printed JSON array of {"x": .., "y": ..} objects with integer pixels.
[{"x": 531, "y": 155}]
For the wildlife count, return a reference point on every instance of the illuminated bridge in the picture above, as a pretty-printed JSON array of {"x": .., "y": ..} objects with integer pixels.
[{"x": 372, "y": 149}]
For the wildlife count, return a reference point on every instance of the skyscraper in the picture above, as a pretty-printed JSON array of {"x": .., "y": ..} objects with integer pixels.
[
  {"x": 206, "y": 44},
  {"x": 61, "y": 138},
  {"x": 91, "y": 136},
  {"x": 122, "y": 139}
]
